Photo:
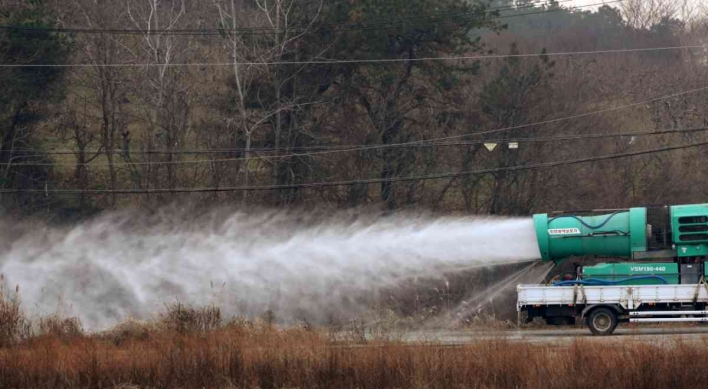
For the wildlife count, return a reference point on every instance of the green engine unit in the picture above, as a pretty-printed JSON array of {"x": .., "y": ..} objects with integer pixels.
[
  {"x": 674, "y": 241},
  {"x": 627, "y": 273},
  {"x": 689, "y": 229}
]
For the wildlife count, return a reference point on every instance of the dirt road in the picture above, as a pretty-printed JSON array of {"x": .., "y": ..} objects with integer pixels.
[{"x": 561, "y": 335}]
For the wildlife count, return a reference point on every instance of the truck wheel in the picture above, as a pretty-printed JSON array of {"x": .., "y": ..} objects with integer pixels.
[{"x": 602, "y": 321}]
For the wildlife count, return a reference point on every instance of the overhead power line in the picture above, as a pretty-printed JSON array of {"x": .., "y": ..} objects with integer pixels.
[
  {"x": 394, "y": 22},
  {"x": 521, "y": 126},
  {"x": 358, "y": 61},
  {"x": 29, "y": 153},
  {"x": 579, "y": 116},
  {"x": 323, "y": 184},
  {"x": 439, "y": 17},
  {"x": 412, "y": 143},
  {"x": 336, "y": 27}
]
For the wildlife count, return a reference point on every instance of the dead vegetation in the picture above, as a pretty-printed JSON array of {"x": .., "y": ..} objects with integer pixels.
[
  {"x": 13, "y": 324},
  {"x": 185, "y": 319},
  {"x": 261, "y": 356},
  {"x": 192, "y": 347}
]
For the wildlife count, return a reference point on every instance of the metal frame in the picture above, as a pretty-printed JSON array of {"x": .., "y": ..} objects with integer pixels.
[
  {"x": 628, "y": 297},
  {"x": 667, "y": 313},
  {"x": 669, "y": 319}
]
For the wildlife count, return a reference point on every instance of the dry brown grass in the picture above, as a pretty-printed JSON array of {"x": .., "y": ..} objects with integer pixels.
[
  {"x": 65, "y": 328},
  {"x": 265, "y": 357},
  {"x": 184, "y": 319},
  {"x": 14, "y": 326},
  {"x": 195, "y": 348}
]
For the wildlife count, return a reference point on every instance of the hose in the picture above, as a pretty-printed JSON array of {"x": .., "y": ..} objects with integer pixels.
[
  {"x": 586, "y": 224},
  {"x": 598, "y": 282}
]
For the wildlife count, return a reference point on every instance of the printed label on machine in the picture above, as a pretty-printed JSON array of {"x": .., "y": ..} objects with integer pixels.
[
  {"x": 564, "y": 231},
  {"x": 648, "y": 268}
]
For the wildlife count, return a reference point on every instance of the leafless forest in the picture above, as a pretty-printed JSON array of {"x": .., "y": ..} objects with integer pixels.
[
  {"x": 502, "y": 107},
  {"x": 110, "y": 104}
]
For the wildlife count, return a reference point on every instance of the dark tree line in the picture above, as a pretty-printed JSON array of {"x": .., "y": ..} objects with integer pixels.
[{"x": 274, "y": 112}]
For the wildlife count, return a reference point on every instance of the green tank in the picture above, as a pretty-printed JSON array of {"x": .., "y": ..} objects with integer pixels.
[
  {"x": 677, "y": 233},
  {"x": 618, "y": 234}
]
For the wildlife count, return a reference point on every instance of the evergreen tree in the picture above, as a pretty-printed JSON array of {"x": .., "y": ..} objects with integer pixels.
[{"x": 27, "y": 90}]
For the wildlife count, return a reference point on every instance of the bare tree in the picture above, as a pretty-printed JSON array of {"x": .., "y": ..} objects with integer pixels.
[
  {"x": 165, "y": 92},
  {"x": 642, "y": 14},
  {"x": 76, "y": 127},
  {"x": 276, "y": 15},
  {"x": 102, "y": 85},
  {"x": 231, "y": 18}
]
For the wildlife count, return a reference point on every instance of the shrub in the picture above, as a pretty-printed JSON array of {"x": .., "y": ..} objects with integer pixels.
[
  {"x": 14, "y": 326},
  {"x": 186, "y": 319},
  {"x": 65, "y": 328}
]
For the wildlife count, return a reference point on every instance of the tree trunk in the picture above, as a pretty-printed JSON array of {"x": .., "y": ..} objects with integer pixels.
[{"x": 108, "y": 130}]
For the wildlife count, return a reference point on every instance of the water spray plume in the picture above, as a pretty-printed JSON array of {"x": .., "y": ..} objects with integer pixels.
[
  {"x": 533, "y": 273},
  {"x": 122, "y": 265}
]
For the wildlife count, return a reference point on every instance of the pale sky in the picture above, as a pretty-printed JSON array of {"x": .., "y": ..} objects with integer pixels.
[
  {"x": 586, "y": 2},
  {"x": 613, "y": 4}
]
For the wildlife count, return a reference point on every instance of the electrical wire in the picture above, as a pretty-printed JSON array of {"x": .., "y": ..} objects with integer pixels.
[
  {"x": 583, "y": 115},
  {"x": 358, "y": 61},
  {"x": 325, "y": 184},
  {"x": 541, "y": 12},
  {"x": 420, "y": 142},
  {"x": 39, "y": 154},
  {"x": 42, "y": 153},
  {"x": 583, "y": 222},
  {"x": 336, "y": 27},
  {"x": 436, "y": 18}
]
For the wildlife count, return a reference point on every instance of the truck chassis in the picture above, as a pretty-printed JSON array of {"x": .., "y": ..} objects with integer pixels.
[{"x": 602, "y": 308}]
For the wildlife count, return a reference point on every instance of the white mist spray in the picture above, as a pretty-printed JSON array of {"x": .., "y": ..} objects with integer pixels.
[{"x": 118, "y": 266}]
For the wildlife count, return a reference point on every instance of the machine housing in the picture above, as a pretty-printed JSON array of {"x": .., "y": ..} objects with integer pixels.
[
  {"x": 675, "y": 236},
  {"x": 654, "y": 269}
]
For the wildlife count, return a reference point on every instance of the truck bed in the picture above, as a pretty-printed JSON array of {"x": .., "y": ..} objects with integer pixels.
[{"x": 629, "y": 297}]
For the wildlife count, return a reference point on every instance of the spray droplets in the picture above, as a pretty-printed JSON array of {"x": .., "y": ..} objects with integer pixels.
[{"x": 121, "y": 266}]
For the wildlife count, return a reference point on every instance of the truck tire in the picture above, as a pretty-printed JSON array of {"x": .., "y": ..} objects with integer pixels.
[{"x": 602, "y": 321}]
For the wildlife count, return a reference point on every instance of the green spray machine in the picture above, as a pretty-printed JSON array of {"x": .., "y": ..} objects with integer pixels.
[{"x": 654, "y": 245}]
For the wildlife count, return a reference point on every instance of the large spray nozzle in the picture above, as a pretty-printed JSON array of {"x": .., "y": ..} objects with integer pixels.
[{"x": 616, "y": 234}]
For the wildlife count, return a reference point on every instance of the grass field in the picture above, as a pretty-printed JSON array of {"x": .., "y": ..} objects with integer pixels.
[
  {"x": 196, "y": 348},
  {"x": 262, "y": 357}
]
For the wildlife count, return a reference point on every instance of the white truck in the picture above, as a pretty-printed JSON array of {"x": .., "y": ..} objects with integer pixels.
[
  {"x": 657, "y": 273},
  {"x": 603, "y": 307}
]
